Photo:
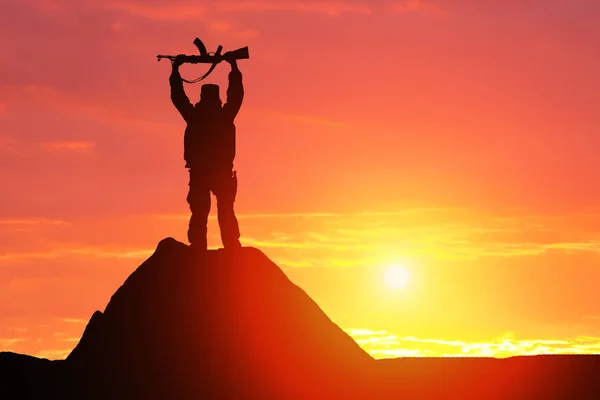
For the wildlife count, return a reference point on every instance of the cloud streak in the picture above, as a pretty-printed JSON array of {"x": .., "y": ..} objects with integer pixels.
[
  {"x": 329, "y": 7},
  {"x": 73, "y": 104},
  {"x": 383, "y": 344},
  {"x": 188, "y": 11},
  {"x": 81, "y": 252},
  {"x": 160, "y": 12},
  {"x": 180, "y": 11},
  {"x": 442, "y": 234},
  {"x": 422, "y": 6},
  {"x": 31, "y": 221},
  {"x": 71, "y": 146},
  {"x": 336, "y": 239}
]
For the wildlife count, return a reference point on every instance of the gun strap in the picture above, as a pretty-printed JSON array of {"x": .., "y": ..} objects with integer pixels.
[{"x": 210, "y": 70}]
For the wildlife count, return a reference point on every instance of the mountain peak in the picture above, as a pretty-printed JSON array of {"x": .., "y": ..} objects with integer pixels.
[{"x": 221, "y": 323}]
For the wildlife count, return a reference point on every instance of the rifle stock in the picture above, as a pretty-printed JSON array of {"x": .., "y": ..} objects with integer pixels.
[{"x": 239, "y": 54}]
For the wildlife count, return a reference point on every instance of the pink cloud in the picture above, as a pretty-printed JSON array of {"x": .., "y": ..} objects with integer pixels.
[
  {"x": 416, "y": 6},
  {"x": 324, "y": 7},
  {"x": 160, "y": 12},
  {"x": 185, "y": 11},
  {"x": 6, "y": 141},
  {"x": 47, "y": 97},
  {"x": 74, "y": 146},
  {"x": 219, "y": 26}
]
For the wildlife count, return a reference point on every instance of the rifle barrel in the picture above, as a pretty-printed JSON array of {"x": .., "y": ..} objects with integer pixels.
[
  {"x": 239, "y": 54},
  {"x": 194, "y": 59}
]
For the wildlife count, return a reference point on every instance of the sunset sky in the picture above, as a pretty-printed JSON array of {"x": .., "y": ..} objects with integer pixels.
[{"x": 458, "y": 139}]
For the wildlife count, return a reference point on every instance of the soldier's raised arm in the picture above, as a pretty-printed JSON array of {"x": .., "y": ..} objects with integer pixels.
[
  {"x": 178, "y": 96},
  {"x": 235, "y": 91}
]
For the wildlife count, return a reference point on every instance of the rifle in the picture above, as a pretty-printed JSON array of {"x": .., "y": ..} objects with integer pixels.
[{"x": 209, "y": 58}]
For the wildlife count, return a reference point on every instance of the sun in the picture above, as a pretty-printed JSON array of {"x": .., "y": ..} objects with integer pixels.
[{"x": 396, "y": 277}]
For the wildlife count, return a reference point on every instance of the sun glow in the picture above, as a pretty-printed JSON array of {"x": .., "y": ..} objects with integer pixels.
[{"x": 396, "y": 277}]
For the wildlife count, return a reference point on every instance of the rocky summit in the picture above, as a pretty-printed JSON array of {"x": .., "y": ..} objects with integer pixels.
[{"x": 216, "y": 324}]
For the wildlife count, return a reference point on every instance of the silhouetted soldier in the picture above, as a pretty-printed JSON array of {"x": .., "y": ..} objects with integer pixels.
[{"x": 209, "y": 151}]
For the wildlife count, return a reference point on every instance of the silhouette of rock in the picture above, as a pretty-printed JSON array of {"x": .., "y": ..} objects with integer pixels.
[
  {"x": 224, "y": 322},
  {"x": 220, "y": 324},
  {"x": 230, "y": 324}
]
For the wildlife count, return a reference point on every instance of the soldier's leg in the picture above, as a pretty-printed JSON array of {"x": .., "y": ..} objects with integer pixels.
[
  {"x": 199, "y": 201},
  {"x": 225, "y": 189}
]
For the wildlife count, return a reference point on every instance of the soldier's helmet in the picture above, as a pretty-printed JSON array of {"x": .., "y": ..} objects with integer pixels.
[{"x": 210, "y": 92}]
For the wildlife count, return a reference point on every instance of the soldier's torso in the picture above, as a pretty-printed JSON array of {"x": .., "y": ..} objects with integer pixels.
[{"x": 209, "y": 140}]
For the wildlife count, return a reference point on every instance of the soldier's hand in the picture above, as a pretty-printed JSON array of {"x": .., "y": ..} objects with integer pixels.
[
  {"x": 178, "y": 60},
  {"x": 232, "y": 61}
]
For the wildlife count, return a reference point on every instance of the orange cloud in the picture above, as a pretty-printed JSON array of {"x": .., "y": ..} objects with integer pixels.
[
  {"x": 7, "y": 342},
  {"x": 99, "y": 252},
  {"x": 442, "y": 234},
  {"x": 306, "y": 242},
  {"x": 253, "y": 216},
  {"x": 75, "y": 320},
  {"x": 31, "y": 221},
  {"x": 383, "y": 344}
]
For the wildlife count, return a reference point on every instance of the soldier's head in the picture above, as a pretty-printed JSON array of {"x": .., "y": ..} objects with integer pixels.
[{"x": 209, "y": 94}]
